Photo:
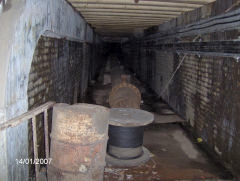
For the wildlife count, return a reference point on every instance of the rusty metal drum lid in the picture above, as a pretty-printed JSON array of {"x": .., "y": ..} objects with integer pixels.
[{"x": 130, "y": 117}]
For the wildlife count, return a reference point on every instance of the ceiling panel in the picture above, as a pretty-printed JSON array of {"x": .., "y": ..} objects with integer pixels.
[{"x": 124, "y": 17}]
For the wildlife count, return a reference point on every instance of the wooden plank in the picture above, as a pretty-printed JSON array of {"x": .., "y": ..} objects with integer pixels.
[
  {"x": 201, "y": 2},
  {"x": 35, "y": 147},
  {"x": 126, "y": 24},
  {"x": 118, "y": 18},
  {"x": 129, "y": 30},
  {"x": 186, "y": 1},
  {"x": 46, "y": 134},
  {"x": 166, "y": 12},
  {"x": 113, "y": 14},
  {"x": 121, "y": 13},
  {"x": 122, "y": 29},
  {"x": 116, "y": 23},
  {"x": 120, "y": 6},
  {"x": 124, "y": 21},
  {"x": 170, "y": 10},
  {"x": 140, "y": 3},
  {"x": 109, "y": 28}
]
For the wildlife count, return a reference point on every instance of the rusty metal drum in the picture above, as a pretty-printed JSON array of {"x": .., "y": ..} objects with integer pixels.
[
  {"x": 125, "y": 95},
  {"x": 78, "y": 142}
]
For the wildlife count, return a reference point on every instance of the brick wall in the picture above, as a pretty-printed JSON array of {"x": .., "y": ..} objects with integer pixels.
[
  {"x": 59, "y": 72},
  {"x": 205, "y": 91}
]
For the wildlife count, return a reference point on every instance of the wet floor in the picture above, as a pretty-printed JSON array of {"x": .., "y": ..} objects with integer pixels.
[{"x": 173, "y": 157}]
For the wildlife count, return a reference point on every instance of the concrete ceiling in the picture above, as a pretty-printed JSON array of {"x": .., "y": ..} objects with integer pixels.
[{"x": 124, "y": 17}]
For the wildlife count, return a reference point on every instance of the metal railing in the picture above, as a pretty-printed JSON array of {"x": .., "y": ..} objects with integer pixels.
[{"x": 31, "y": 115}]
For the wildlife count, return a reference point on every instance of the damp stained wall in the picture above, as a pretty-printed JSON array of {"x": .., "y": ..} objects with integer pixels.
[
  {"x": 23, "y": 22},
  {"x": 60, "y": 72},
  {"x": 205, "y": 90}
]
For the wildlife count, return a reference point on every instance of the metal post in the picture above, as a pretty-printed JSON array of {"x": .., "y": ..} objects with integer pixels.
[
  {"x": 46, "y": 133},
  {"x": 35, "y": 147}
]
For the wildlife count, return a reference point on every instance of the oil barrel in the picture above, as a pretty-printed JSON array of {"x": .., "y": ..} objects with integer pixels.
[{"x": 78, "y": 142}]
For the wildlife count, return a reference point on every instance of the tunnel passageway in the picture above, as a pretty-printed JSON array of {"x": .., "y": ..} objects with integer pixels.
[
  {"x": 174, "y": 153},
  {"x": 177, "y": 59}
]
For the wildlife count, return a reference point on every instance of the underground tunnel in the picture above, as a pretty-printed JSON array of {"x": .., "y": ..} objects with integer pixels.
[{"x": 117, "y": 90}]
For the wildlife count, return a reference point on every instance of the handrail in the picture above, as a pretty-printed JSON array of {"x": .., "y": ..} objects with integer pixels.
[{"x": 26, "y": 117}]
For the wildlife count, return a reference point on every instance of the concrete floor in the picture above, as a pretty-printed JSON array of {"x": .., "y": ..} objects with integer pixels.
[{"x": 173, "y": 157}]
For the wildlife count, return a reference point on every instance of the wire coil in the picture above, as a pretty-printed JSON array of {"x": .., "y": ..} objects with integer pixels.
[
  {"x": 125, "y": 137},
  {"x": 125, "y": 143}
]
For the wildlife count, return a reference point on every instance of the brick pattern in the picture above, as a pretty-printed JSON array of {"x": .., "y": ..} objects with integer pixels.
[
  {"x": 40, "y": 90},
  {"x": 59, "y": 71},
  {"x": 204, "y": 91},
  {"x": 210, "y": 91}
]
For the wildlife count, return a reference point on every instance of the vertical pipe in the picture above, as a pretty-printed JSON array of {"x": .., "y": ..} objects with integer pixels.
[
  {"x": 35, "y": 149},
  {"x": 46, "y": 135}
]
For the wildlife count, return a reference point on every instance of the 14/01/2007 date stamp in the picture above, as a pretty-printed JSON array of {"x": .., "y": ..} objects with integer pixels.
[{"x": 28, "y": 161}]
